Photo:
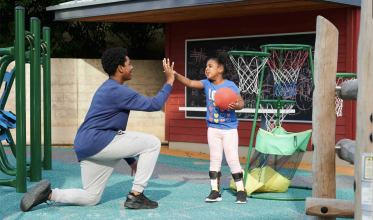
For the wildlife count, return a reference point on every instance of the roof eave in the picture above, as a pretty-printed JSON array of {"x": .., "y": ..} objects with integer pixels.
[
  {"x": 117, "y": 7},
  {"x": 83, "y": 4},
  {"x": 356, "y": 3},
  {"x": 113, "y": 7}
]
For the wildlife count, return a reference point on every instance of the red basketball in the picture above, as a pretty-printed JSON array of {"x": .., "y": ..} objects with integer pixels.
[{"x": 224, "y": 97}]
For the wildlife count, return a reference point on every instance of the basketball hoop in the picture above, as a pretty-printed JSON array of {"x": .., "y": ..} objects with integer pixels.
[
  {"x": 270, "y": 106},
  {"x": 248, "y": 65},
  {"x": 285, "y": 62},
  {"x": 340, "y": 78}
]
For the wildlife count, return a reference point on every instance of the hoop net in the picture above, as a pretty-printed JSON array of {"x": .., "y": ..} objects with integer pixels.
[
  {"x": 286, "y": 71},
  {"x": 271, "y": 117},
  {"x": 338, "y": 101},
  {"x": 248, "y": 69}
]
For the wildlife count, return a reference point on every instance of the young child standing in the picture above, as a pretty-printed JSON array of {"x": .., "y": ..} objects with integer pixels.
[{"x": 222, "y": 126}]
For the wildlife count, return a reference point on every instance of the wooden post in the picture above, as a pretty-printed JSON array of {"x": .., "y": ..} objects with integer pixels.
[
  {"x": 323, "y": 116},
  {"x": 330, "y": 207},
  {"x": 364, "y": 98}
]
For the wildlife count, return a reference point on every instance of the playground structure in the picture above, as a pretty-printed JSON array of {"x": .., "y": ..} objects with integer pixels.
[
  {"x": 337, "y": 87},
  {"x": 38, "y": 55},
  {"x": 324, "y": 203}
]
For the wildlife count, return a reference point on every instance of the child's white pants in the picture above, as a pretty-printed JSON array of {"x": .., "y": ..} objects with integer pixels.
[{"x": 218, "y": 140}]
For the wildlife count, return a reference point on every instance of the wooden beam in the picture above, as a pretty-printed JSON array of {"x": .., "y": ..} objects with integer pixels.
[
  {"x": 364, "y": 125},
  {"x": 323, "y": 118},
  {"x": 330, "y": 208}
]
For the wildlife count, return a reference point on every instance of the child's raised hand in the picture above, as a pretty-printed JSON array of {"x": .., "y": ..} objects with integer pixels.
[
  {"x": 233, "y": 106},
  {"x": 175, "y": 74}
]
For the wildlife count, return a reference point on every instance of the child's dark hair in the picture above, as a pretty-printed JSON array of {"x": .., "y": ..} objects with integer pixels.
[
  {"x": 222, "y": 60},
  {"x": 112, "y": 58}
]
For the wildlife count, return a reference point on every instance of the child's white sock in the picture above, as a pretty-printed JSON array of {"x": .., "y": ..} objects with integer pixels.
[
  {"x": 237, "y": 177},
  {"x": 239, "y": 186},
  {"x": 214, "y": 184},
  {"x": 215, "y": 180}
]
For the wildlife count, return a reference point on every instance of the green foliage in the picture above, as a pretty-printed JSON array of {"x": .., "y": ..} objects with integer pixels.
[
  {"x": 80, "y": 39},
  {"x": 137, "y": 37}
]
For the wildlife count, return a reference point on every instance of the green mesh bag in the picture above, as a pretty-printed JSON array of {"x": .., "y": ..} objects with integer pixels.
[
  {"x": 281, "y": 142},
  {"x": 276, "y": 158}
]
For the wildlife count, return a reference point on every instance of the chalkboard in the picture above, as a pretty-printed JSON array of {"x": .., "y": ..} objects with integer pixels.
[{"x": 198, "y": 52}]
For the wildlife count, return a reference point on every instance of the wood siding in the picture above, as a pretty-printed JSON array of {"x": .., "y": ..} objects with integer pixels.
[{"x": 180, "y": 129}]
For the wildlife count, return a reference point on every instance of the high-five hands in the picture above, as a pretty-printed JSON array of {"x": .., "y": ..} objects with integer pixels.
[
  {"x": 175, "y": 74},
  {"x": 169, "y": 71}
]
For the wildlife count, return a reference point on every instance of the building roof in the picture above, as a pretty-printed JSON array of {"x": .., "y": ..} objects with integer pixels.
[{"x": 165, "y": 11}]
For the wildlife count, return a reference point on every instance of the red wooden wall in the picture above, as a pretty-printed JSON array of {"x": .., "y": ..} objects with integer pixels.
[{"x": 179, "y": 129}]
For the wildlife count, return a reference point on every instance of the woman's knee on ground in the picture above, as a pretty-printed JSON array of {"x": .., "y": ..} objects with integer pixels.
[{"x": 92, "y": 199}]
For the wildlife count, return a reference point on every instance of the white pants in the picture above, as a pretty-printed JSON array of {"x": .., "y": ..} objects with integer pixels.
[
  {"x": 220, "y": 139},
  {"x": 97, "y": 169}
]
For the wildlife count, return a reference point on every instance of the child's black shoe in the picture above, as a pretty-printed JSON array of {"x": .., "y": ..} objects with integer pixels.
[
  {"x": 241, "y": 197},
  {"x": 214, "y": 196}
]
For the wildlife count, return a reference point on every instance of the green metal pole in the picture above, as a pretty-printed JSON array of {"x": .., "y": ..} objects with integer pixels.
[
  {"x": 7, "y": 171},
  {"x": 12, "y": 183},
  {"x": 279, "y": 89},
  {"x": 279, "y": 106},
  {"x": 3, "y": 58},
  {"x": 254, "y": 124},
  {"x": 311, "y": 64},
  {"x": 20, "y": 98},
  {"x": 275, "y": 198},
  {"x": 47, "y": 163},
  {"x": 7, "y": 51},
  {"x": 4, "y": 64},
  {"x": 6, "y": 95},
  {"x": 35, "y": 102},
  {"x": 11, "y": 144},
  {"x": 27, "y": 56},
  {"x": 4, "y": 160}
]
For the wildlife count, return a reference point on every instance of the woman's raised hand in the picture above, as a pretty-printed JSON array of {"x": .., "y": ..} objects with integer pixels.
[{"x": 169, "y": 71}]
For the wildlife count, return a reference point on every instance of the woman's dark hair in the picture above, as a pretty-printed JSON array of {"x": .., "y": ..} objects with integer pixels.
[
  {"x": 222, "y": 60},
  {"x": 112, "y": 58}
]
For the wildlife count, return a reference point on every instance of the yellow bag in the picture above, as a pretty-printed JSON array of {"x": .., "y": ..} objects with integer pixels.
[
  {"x": 251, "y": 184},
  {"x": 274, "y": 182}
]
